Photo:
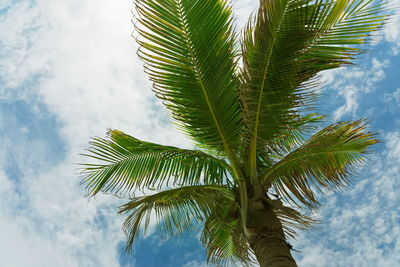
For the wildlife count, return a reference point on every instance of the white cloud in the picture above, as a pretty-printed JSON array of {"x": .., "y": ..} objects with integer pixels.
[
  {"x": 242, "y": 10},
  {"x": 87, "y": 64},
  {"x": 195, "y": 264},
  {"x": 21, "y": 28},
  {"x": 54, "y": 229},
  {"x": 392, "y": 97},
  {"x": 392, "y": 143},
  {"x": 352, "y": 83},
  {"x": 79, "y": 60},
  {"x": 43, "y": 215},
  {"x": 392, "y": 28},
  {"x": 351, "y": 103},
  {"x": 4, "y": 4}
]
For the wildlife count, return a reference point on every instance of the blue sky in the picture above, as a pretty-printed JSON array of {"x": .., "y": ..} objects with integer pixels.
[{"x": 69, "y": 71}]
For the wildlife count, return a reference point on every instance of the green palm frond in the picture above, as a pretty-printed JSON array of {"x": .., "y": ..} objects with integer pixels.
[
  {"x": 288, "y": 140},
  {"x": 128, "y": 164},
  {"x": 285, "y": 47},
  {"x": 188, "y": 47},
  {"x": 292, "y": 136},
  {"x": 176, "y": 210},
  {"x": 251, "y": 122},
  {"x": 223, "y": 236},
  {"x": 324, "y": 162}
]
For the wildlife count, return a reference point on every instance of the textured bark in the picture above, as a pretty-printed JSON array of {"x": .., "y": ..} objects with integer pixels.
[
  {"x": 267, "y": 238},
  {"x": 271, "y": 249}
]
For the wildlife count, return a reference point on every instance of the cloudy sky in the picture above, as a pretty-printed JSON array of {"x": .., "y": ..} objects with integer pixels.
[{"x": 69, "y": 71}]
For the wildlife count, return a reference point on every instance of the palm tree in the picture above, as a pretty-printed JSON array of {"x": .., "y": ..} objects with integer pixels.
[{"x": 249, "y": 106}]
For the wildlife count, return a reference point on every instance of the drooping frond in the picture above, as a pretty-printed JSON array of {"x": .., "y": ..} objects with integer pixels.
[
  {"x": 291, "y": 219},
  {"x": 176, "y": 210},
  {"x": 324, "y": 162},
  {"x": 188, "y": 47},
  {"x": 223, "y": 236},
  {"x": 285, "y": 47},
  {"x": 128, "y": 163}
]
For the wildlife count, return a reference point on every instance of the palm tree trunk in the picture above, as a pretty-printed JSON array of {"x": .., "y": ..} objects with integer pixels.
[
  {"x": 271, "y": 249},
  {"x": 266, "y": 237}
]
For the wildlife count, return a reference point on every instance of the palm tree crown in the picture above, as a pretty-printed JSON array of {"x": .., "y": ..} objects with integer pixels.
[{"x": 249, "y": 105}]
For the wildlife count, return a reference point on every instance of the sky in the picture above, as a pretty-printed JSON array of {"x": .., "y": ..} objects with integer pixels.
[{"x": 69, "y": 71}]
